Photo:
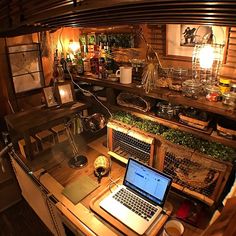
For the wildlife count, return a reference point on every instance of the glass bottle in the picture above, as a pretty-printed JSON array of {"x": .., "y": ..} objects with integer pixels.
[{"x": 80, "y": 64}]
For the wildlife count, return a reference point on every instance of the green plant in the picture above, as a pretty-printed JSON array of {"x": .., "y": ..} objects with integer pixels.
[{"x": 214, "y": 149}]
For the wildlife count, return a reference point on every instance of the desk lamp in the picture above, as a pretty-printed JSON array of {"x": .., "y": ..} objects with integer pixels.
[{"x": 93, "y": 123}]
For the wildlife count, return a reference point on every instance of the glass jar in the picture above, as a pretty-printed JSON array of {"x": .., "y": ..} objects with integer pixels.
[
  {"x": 212, "y": 93},
  {"x": 233, "y": 88},
  {"x": 191, "y": 88},
  {"x": 229, "y": 99},
  {"x": 224, "y": 85}
]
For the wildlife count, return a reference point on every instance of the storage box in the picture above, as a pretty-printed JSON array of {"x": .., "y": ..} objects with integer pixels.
[
  {"x": 60, "y": 133},
  {"x": 46, "y": 139},
  {"x": 34, "y": 146}
]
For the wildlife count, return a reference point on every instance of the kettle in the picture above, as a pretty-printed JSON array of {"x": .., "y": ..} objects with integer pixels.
[{"x": 101, "y": 166}]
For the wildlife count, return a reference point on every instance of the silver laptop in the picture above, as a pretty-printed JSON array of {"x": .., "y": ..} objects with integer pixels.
[{"x": 139, "y": 200}]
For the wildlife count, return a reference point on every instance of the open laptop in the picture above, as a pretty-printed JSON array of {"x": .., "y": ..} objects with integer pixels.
[{"x": 139, "y": 200}]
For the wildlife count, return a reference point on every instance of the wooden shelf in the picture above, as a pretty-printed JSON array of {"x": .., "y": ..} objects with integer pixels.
[
  {"x": 165, "y": 94},
  {"x": 176, "y": 125}
]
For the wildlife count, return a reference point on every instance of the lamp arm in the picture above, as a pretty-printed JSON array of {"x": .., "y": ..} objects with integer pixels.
[{"x": 71, "y": 139}]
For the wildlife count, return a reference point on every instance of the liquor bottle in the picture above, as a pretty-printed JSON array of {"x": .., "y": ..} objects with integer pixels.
[
  {"x": 94, "y": 62},
  {"x": 102, "y": 65},
  {"x": 80, "y": 64},
  {"x": 68, "y": 62},
  {"x": 86, "y": 62},
  {"x": 63, "y": 62}
]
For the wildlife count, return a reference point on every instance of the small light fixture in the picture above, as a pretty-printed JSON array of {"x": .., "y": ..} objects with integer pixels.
[
  {"x": 207, "y": 59},
  {"x": 74, "y": 46}
]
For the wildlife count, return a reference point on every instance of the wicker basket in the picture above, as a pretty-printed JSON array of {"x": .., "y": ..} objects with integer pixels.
[{"x": 134, "y": 101}]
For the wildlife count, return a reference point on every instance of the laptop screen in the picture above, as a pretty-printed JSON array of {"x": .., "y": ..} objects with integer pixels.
[{"x": 150, "y": 183}]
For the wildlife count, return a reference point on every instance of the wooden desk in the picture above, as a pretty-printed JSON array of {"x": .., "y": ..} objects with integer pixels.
[
  {"x": 58, "y": 175},
  {"x": 24, "y": 124}
]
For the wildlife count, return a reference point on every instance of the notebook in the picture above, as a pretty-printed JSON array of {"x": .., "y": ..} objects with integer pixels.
[{"x": 139, "y": 200}]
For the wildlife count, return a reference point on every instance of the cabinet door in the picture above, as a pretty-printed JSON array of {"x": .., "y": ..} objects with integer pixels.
[
  {"x": 9, "y": 189},
  {"x": 34, "y": 196}
]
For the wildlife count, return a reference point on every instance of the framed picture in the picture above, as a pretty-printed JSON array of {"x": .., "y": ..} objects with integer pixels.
[
  {"x": 65, "y": 93},
  {"x": 26, "y": 67},
  {"x": 181, "y": 39},
  {"x": 50, "y": 99}
]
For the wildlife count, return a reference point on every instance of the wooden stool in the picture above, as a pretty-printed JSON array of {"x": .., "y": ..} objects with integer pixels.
[
  {"x": 46, "y": 139},
  {"x": 33, "y": 143},
  {"x": 60, "y": 133}
]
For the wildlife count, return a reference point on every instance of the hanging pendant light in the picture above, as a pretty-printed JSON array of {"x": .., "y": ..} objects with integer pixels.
[{"x": 207, "y": 59}]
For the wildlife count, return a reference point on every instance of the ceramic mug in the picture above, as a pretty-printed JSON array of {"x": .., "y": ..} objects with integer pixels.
[
  {"x": 173, "y": 228},
  {"x": 125, "y": 74}
]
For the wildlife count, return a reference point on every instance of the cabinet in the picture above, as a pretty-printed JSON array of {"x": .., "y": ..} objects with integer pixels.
[
  {"x": 37, "y": 198},
  {"x": 9, "y": 189}
]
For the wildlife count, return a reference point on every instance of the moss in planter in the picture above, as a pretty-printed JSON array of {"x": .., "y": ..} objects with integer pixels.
[
  {"x": 145, "y": 125},
  {"x": 216, "y": 150}
]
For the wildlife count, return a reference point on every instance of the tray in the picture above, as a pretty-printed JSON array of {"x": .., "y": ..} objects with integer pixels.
[
  {"x": 153, "y": 230},
  {"x": 194, "y": 122}
]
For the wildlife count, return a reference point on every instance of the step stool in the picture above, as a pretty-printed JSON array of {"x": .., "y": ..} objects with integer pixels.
[
  {"x": 60, "y": 133},
  {"x": 45, "y": 138}
]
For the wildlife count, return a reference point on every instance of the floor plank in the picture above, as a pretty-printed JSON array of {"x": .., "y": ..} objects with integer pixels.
[{"x": 21, "y": 220}]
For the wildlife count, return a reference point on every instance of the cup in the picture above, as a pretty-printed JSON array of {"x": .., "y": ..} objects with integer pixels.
[
  {"x": 173, "y": 228},
  {"x": 125, "y": 74}
]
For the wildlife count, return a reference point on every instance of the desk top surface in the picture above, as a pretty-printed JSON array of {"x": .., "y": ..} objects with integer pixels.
[
  {"x": 39, "y": 116},
  {"x": 59, "y": 175}
]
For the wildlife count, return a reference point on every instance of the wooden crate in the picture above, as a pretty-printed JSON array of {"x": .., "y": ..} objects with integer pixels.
[
  {"x": 60, "y": 133},
  {"x": 196, "y": 174},
  {"x": 125, "y": 142},
  {"x": 45, "y": 139},
  {"x": 33, "y": 143}
]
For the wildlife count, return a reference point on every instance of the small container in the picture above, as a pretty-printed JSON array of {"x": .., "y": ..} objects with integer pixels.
[
  {"x": 212, "y": 93},
  {"x": 191, "y": 88},
  {"x": 46, "y": 139},
  {"x": 224, "y": 85},
  {"x": 229, "y": 99},
  {"x": 233, "y": 88}
]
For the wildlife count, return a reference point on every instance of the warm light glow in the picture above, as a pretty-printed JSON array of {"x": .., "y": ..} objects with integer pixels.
[
  {"x": 206, "y": 56},
  {"x": 74, "y": 46},
  {"x": 62, "y": 92}
]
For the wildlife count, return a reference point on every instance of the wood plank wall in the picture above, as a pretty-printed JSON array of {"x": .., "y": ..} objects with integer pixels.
[{"x": 157, "y": 38}]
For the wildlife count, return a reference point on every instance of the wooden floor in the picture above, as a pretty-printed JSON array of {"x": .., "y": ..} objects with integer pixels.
[{"x": 20, "y": 220}]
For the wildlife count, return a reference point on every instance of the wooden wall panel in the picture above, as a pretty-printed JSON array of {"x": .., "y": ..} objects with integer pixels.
[{"x": 157, "y": 39}]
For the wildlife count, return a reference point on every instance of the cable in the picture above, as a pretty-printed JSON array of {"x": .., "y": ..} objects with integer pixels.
[{"x": 87, "y": 91}]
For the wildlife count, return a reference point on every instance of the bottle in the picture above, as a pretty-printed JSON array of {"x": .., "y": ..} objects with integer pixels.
[
  {"x": 68, "y": 62},
  {"x": 94, "y": 62},
  {"x": 55, "y": 73},
  {"x": 63, "y": 62},
  {"x": 224, "y": 85},
  {"x": 80, "y": 64},
  {"x": 102, "y": 65},
  {"x": 86, "y": 62}
]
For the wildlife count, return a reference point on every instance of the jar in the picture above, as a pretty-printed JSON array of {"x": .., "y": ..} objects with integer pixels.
[
  {"x": 233, "y": 88},
  {"x": 224, "y": 85},
  {"x": 191, "y": 88},
  {"x": 229, "y": 99},
  {"x": 212, "y": 93}
]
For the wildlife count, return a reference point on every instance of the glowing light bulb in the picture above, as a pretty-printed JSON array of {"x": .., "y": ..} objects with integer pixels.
[
  {"x": 206, "y": 56},
  {"x": 74, "y": 46},
  {"x": 62, "y": 92}
]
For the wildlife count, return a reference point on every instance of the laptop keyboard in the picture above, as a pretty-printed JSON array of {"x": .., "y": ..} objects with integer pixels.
[{"x": 135, "y": 204}]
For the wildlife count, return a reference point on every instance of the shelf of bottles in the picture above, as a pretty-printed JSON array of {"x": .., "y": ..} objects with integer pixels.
[{"x": 93, "y": 55}]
